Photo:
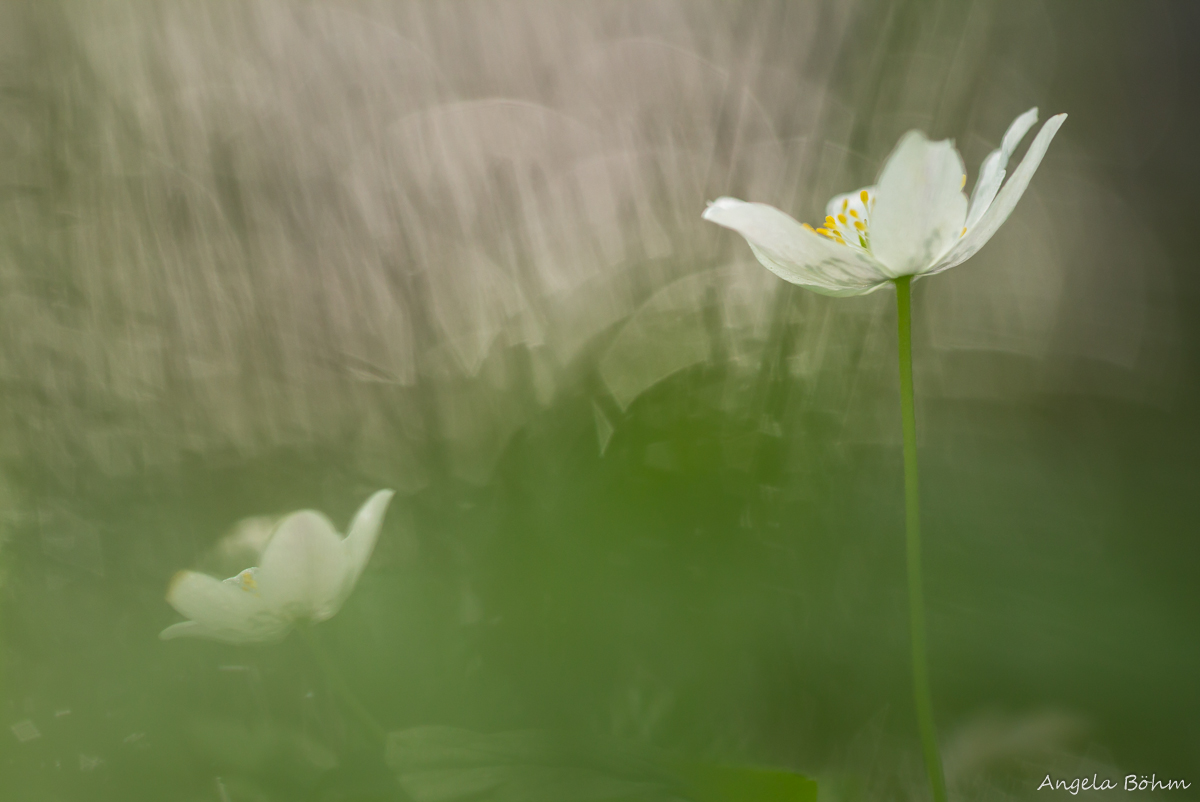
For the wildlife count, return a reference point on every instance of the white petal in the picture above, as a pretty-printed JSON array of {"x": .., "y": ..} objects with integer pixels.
[
  {"x": 920, "y": 207},
  {"x": 1006, "y": 199},
  {"x": 991, "y": 172},
  {"x": 360, "y": 540},
  {"x": 186, "y": 629},
  {"x": 268, "y": 629},
  {"x": 303, "y": 567},
  {"x": 220, "y": 611},
  {"x": 796, "y": 254}
]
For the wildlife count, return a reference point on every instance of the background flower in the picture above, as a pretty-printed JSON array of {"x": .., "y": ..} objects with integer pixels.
[{"x": 307, "y": 572}]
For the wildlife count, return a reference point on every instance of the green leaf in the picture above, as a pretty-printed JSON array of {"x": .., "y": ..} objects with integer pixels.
[
  {"x": 447, "y": 764},
  {"x": 710, "y": 783}
]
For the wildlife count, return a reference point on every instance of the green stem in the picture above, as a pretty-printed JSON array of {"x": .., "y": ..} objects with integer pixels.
[
  {"x": 912, "y": 521},
  {"x": 341, "y": 687}
]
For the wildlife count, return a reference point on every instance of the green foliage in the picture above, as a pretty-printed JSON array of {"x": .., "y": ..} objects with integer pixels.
[
  {"x": 445, "y": 764},
  {"x": 748, "y": 784},
  {"x": 258, "y": 257}
]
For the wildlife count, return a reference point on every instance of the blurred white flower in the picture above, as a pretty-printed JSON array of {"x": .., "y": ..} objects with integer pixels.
[
  {"x": 306, "y": 573},
  {"x": 916, "y": 221}
]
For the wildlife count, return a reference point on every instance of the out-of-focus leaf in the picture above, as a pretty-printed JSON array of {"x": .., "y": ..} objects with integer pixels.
[
  {"x": 526, "y": 783},
  {"x": 445, "y": 764},
  {"x": 422, "y": 748},
  {"x": 361, "y": 777},
  {"x": 748, "y": 784}
]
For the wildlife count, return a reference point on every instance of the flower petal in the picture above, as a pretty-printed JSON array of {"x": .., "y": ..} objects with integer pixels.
[
  {"x": 1006, "y": 200},
  {"x": 220, "y": 611},
  {"x": 920, "y": 209},
  {"x": 991, "y": 172},
  {"x": 186, "y": 629},
  {"x": 360, "y": 540},
  {"x": 271, "y": 630},
  {"x": 302, "y": 568},
  {"x": 794, "y": 253}
]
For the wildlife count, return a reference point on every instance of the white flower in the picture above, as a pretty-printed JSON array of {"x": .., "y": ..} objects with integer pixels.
[
  {"x": 915, "y": 221},
  {"x": 306, "y": 573}
]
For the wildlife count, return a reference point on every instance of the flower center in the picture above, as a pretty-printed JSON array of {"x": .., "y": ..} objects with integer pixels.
[
  {"x": 246, "y": 581},
  {"x": 850, "y": 223},
  {"x": 850, "y": 226}
]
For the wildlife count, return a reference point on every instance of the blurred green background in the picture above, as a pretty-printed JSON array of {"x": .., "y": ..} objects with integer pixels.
[{"x": 264, "y": 256}]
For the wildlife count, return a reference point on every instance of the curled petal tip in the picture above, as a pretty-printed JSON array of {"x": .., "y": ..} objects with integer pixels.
[
  {"x": 1054, "y": 123},
  {"x": 719, "y": 205},
  {"x": 370, "y": 515}
]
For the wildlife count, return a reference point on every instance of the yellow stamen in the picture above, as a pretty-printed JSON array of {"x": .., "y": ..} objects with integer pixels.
[
  {"x": 964, "y": 181},
  {"x": 823, "y": 231},
  {"x": 246, "y": 581},
  {"x": 842, "y": 219},
  {"x": 845, "y": 203},
  {"x": 859, "y": 226},
  {"x": 864, "y": 196},
  {"x": 830, "y": 222},
  {"x": 854, "y": 214},
  {"x": 806, "y": 225},
  {"x": 964, "y": 231}
]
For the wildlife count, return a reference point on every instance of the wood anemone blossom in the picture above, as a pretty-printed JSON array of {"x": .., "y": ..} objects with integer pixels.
[
  {"x": 915, "y": 221},
  {"x": 306, "y": 573}
]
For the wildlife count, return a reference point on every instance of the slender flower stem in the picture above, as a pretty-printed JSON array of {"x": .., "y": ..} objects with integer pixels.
[
  {"x": 912, "y": 527},
  {"x": 341, "y": 687}
]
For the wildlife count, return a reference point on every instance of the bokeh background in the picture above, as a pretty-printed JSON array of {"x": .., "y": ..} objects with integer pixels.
[{"x": 271, "y": 255}]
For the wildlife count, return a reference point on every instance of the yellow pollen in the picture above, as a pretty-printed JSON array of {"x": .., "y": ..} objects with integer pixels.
[
  {"x": 246, "y": 581},
  {"x": 806, "y": 225},
  {"x": 845, "y": 203},
  {"x": 859, "y": 226},
  {"x": 830, "y": 222},
  {"x": 854, "y": 214},
  {"x": 964, "y": 231},
  {"x": 864, "y": 196},
  {"x": 842, "y": 218},
  {"x": 964, "y": 181},
  {"x": 822, "y": 231}
]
